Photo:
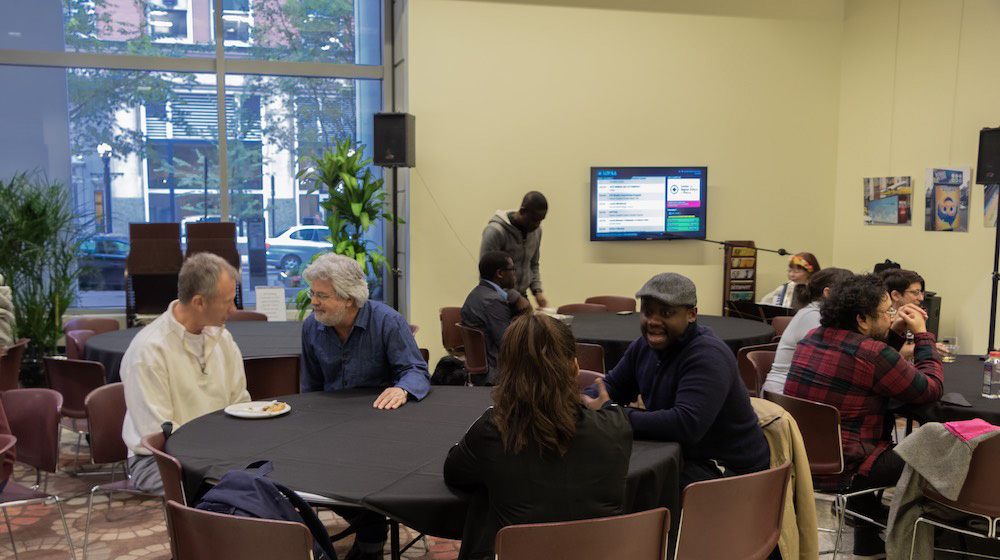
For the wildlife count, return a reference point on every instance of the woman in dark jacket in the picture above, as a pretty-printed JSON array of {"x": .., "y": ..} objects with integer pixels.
[{"x": 538, "y": 454}]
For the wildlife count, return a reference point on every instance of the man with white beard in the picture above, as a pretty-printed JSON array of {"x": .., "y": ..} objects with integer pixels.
[{"x": 350, "y": 342}]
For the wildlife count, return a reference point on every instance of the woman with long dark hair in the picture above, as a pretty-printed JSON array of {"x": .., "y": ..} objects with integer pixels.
[{"x": 538, "y": 454}]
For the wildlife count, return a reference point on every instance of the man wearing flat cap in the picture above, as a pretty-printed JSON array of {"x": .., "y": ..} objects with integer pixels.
[{"x": 689, "y": 383}]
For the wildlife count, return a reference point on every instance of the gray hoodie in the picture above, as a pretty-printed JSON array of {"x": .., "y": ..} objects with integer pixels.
[{"x": 501, "y": 235}]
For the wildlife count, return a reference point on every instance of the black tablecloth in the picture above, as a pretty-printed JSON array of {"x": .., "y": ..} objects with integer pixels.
[
  {"x": 255, "y": 339},
  {"x": 338, "y": 446},
  {"x": 615, "y": 332},
  {"x": 963, "y": 376}
]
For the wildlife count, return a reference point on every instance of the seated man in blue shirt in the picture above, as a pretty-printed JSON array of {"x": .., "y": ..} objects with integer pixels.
[
  {"x": 690, "y": 385},
  {"x": 492, "y": 305},
  {"x": 350, "y": 342}
]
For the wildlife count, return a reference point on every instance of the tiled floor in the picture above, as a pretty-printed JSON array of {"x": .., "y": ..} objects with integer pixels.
[{"x": 135, "y": 530}]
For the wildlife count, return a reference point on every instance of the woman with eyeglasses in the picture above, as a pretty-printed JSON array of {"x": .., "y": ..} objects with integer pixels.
[
  {"x": 904, "y": 287},
  {"x": 794, "y": 294},
  {"x": 538, "y": 454}
]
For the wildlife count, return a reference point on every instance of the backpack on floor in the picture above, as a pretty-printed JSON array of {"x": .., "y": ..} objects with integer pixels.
[{"x": 250, "y": 493}]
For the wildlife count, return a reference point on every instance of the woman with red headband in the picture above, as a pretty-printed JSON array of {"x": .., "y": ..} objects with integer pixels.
[{"x": 793, "y": 293}]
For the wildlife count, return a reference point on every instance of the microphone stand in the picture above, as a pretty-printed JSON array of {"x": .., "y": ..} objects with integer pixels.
[{"x": 780, "y": 251}]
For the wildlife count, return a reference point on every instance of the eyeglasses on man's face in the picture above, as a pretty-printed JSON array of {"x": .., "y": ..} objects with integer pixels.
[{"x": 319, "y": 296}]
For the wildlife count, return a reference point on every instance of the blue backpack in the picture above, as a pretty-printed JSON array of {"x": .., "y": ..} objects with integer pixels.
[{"x": 250, "y": 493}]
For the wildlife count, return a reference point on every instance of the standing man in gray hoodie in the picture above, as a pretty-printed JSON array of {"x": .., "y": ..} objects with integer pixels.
[{"x": 518, "y": 233}]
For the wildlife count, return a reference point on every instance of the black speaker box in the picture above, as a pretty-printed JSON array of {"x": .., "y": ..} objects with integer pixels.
[
  {"x": 394, "y": 134},
  {"x": 988, "y": 170}
]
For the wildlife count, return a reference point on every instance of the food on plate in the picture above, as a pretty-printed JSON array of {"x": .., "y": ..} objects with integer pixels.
[{"x": 275, "y": 406}]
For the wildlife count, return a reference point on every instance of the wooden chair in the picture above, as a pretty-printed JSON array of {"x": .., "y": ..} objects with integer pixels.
[
  {"x": 614, "y": 303},
  {"x": 779, "y": 324},
  {"x": 761, "y": 360},
  {"x": 272, "y": 376},
  {"x": 169, "y": 467},
  {"x": 10, "y": 365},
  {"x": 636, "y": 536},
  {"x": 105, "y": 408},
  {"x": 241, "y": 315},
  {"x": 76, "y": 343},
  {"x": 587, "y": 378},
  {"x": 819, "y": 424},
  {"x": 204, "y": 535},
  {"x": 151, "y": 269},
  {"x": 74, "y": 380},
  {"x": 979, "y": 498},
  {"x": 451, "y": 336},
  {"x": 218, "y": 238},
  {"x": 474, "y": 342},
  {"x": 97, "y": 324},
  {"x": 33, "y": 415},
  {"x": 736, "y": 518},
  {"x": 590, "y": 356},
  {"x": 747, "y": 371},
  {"x": 575, "y": 308}
]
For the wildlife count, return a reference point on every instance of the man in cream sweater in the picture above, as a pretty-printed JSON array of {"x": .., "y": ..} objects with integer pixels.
[{"x": 182, "y": 365}]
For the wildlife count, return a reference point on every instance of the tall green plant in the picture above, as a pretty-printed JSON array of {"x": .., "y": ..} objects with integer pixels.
[
  {"x": 39, "y": 240},
  {"x": 356, "y": 201}
]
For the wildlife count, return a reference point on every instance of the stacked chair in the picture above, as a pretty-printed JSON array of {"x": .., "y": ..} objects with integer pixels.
[
  {"x": 218, "y": 238},
  {"x": 151, "y": 269}
]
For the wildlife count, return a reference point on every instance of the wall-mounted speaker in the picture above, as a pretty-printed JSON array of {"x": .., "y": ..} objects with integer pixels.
[
  {"x": 394, "y": 135},
  {"x": 988, "y": 170}
]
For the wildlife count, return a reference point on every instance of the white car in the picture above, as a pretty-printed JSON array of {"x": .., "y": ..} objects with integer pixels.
[{"x": 296, "y": 245}]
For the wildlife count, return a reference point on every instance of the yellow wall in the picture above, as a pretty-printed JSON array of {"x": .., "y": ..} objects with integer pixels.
[
  {"x": 920, "y": 78},
  {"x": 515, "y": 96}
]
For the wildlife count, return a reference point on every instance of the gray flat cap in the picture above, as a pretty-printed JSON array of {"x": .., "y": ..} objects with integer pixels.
[{"x": 670, "y": 288}]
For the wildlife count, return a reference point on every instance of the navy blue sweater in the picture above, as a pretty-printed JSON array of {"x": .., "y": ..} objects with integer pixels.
[{"x": 694, "y": 396}]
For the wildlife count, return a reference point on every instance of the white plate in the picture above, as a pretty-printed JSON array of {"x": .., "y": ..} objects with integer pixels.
[{"x": 255, "y": 409}]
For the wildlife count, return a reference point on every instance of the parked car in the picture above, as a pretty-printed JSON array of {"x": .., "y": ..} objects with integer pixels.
[
  {"x": 102, "y": 262},
  {"x": 295, "y": 246}
]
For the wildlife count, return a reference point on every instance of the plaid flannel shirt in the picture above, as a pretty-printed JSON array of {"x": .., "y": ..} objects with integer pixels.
[{"x": 858, "y": 375}]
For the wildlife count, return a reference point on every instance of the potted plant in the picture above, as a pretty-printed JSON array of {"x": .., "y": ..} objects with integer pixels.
[
  {"x": 39, "y": 240},
  {"x": 356, "y": 200}
]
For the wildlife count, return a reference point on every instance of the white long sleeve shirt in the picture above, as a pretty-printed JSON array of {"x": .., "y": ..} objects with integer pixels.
[
  {"x": 165, "y": 380},
  {"x": 804, "y": 321}
]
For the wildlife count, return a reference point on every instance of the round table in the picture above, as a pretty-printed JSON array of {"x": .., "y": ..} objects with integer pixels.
[
  {"x": 255, "y": 339},
  {"x": 615, "y": 332},
  {"x": 338, "y": 446},
  {"x": 964, "y": 377}
]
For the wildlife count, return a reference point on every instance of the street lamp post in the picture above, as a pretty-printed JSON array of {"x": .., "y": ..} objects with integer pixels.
[{"x": 105, "y": 152}]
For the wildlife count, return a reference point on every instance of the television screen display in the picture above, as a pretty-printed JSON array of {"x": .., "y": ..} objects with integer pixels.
[{"x": 629, "y": 203}]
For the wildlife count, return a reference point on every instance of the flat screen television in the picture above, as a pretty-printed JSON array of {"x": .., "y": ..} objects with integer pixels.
[{"x": 631, "y": 203}]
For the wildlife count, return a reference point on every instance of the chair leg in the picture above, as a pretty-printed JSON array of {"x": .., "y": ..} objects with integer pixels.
[
  {"x": 79, "y": 442},
  {"x": 69, "y": 539},
  {"x": 913, "y": 539},
  {"x": 841, "y": 505},
  {"x": 86, "y": 531},
  {"x": 10, "y": 533}
]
